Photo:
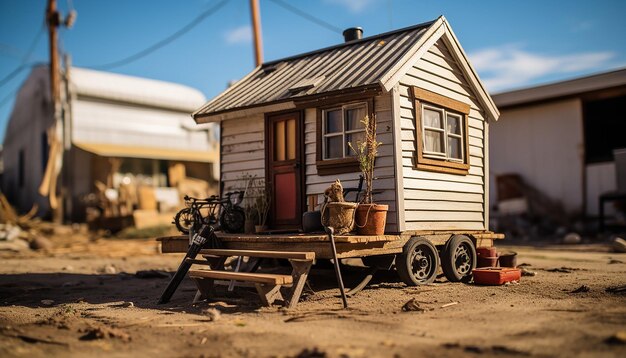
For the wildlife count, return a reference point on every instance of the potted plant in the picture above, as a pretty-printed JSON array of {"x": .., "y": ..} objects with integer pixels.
[
  {"x": 262, "y": 205},
  {"x": 370, "y": 218},
  {"x": 249, "y": 202}
]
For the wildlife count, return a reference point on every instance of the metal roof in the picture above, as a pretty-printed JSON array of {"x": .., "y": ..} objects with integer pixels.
[
  {"x": 561, "y": 89},
  {"x": 355, "y": 64},
  {"x": 136, "y": 90}
]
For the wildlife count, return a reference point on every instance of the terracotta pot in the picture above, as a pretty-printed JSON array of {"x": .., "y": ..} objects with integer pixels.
[
  {"x": 260, "y": 228},
  {"x": 371, "y": 218},
  {"x": 487, "y": 261},
  {"x": 486, "y": 251}
]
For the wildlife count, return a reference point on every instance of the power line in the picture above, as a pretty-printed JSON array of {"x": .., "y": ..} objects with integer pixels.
[
  {"x": 33, "y": 44},
  {"x": 23, "y": 65},
  {"x": 308, "y": 16},
  {"x": 17, "y": 71},
  {"x": 163, "y": 42}
]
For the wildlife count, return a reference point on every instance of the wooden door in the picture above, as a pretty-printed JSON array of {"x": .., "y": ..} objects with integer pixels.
[{"x": 285, "y": 170}]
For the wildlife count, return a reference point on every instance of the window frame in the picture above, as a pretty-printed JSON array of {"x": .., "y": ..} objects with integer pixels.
[
  {"x": 346, "y": 164},
  {"x": 434, "y": 161}
]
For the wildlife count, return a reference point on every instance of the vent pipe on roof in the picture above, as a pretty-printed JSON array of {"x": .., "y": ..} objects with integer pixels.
[{"x": 352, "y": 34}]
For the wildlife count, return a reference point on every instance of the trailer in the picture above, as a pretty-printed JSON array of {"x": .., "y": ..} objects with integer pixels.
[{"x": 289, "y": 121}]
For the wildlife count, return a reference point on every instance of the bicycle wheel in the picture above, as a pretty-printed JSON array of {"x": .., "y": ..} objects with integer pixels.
[
  {"x": 184, "y": 220},
  {"x": 232, "y": 220}
]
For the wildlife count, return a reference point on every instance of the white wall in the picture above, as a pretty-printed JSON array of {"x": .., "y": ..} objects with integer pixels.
[
  {"x": 384, "y": 173},
  {"x": 439, "y": 201},
  {"x": 544, "y": 144},
  {"x": 243, "y": 150}
]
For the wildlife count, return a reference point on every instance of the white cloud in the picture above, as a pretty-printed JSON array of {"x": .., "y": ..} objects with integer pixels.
[
  {"x": 354, "y": 6},
  {"x": 510, "y": 66},
  {"x": 239, "y": 35}
]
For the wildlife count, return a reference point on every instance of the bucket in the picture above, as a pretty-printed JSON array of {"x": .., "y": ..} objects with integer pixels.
[
  {"x": 371, "y": 219},
  {"x": 339, "y": 216},
  {"x": 487, "y": 261},
  {"x": 508, "y": 259},
  {"x": 486, "y": 251}
]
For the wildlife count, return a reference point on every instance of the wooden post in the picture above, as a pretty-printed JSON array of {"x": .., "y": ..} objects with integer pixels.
[
  {"x": 256, "y": 29},
  {"x": 53, "y": 21}
]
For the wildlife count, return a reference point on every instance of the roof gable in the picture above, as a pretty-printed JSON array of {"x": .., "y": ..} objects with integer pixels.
[{"x": 373, "y": 62}]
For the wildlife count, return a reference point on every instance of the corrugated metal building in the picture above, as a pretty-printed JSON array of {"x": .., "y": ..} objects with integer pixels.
[{"x": 119, "y": 128}]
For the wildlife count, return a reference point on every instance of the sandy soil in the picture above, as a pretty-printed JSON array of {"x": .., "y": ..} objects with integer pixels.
[{"x": 82, "y": 298}]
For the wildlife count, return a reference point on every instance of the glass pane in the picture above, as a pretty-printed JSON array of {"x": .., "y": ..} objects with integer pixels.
[
  {"x": 433, "y": 141},
  {"x": 333, "y": 121},
  {"x": 354, "y": 138},
  {"x": 291, "y": 139},
  {"x": 432, "y": 118},
  {"x": 454, "y": 124},
  {"x": 354, "y": 116},
  {"x": 279, "y": 140},
  {"x": 334, "y": 147},
  {"x": 454, "y": 148}
]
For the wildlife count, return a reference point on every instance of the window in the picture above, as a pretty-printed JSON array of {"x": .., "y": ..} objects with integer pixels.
[
  {"x": 604, "y": 128},
  {"x": 442, "y": 142},
  {"x": 21, "y": 168},
  {"x": 339, "y": 125}
]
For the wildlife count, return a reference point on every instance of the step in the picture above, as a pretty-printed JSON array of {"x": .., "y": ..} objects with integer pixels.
[
  {"x": 294, "y": 255},
  {"x": 265, "y": 278}
]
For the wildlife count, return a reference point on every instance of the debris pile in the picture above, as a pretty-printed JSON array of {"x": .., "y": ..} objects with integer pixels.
[{"x": 19, "y": 233}]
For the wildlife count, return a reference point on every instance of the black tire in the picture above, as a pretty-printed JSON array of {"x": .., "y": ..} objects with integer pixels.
[
  {"x": 233, "y": 220},
  {"x": 184, "y": 220},
  {"x": 418, "y": 263},
  {"x": 458, "y": 259}
]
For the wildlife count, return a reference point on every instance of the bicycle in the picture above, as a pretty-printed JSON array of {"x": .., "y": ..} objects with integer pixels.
[{"x": 231, "y": 215}]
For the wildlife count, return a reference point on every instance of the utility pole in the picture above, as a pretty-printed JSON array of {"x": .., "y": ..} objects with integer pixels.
[
  {"x": 53, "y": 19},
  {"x": 256, "y": 29}
]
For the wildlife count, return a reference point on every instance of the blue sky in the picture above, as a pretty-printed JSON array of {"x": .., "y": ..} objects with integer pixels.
[{"x": 512, "y": 44}]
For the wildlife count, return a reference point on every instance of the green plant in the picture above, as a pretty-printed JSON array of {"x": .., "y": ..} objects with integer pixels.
[
  {"x": 262, "y": 203},
  {"x": 366, "y": 151},
  {"x": 248, "y": 202}
]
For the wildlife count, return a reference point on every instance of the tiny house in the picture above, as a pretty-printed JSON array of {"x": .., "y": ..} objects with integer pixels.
[{"x": 290, "y": 121}]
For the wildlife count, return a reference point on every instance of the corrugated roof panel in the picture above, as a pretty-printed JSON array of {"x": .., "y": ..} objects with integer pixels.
[{"x": 349, "y": 65}]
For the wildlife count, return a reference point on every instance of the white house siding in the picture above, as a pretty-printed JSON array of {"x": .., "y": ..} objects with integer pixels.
[
  {"x": 544, "y": 144},
  {"x": 243, "y": 150},
  {"x": 384, "y": 170},
  {"x": 439, "y": 201},
  {"x": 106, "y": 122}
]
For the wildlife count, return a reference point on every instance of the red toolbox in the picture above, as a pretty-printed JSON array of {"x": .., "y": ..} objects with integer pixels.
[{"x": 496, "y": 275}]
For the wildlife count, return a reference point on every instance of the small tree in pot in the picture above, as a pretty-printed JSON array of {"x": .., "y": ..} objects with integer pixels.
[{"x": 370, "y": 217}]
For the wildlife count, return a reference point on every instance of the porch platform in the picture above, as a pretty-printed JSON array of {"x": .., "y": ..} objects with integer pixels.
[{"x": 347, "y": 245}]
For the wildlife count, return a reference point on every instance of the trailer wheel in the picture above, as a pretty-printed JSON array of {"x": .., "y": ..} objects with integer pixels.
[
  {"x": 458, "y": 258},
  {"x": 418, "y": 262}
]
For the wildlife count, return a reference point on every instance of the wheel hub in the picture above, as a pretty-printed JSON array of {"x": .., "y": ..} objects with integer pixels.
[{"x": 462, "y": 260}]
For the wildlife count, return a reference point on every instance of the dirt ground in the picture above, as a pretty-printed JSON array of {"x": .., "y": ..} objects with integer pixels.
[{"x": 83, "y": 298}]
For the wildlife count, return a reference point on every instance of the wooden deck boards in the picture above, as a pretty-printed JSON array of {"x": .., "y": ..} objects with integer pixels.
[{"x": 347, "y": 245}]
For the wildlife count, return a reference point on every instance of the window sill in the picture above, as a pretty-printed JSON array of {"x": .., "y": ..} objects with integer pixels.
[
  {"x": 337, "y": 166},
  {"x": 441, "y": 166}
]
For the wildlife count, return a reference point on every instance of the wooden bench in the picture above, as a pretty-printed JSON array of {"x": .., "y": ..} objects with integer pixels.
[{"x": 268, "y": 286}]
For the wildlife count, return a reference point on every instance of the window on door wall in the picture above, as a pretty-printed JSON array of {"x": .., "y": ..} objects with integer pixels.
[{"x": 339, "y": 125}]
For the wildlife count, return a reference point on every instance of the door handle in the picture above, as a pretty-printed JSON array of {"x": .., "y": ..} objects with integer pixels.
[{"x": 296, "y": 166}]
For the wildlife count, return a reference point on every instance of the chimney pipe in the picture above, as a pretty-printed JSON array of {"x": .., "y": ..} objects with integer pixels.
[{"x": 352, "y": 34}]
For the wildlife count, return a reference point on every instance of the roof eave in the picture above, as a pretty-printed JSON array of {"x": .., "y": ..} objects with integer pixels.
[{"x": 441, "y": 29}]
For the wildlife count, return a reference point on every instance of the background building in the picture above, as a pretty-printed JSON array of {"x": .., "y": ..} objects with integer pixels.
[
  {"x": 128, "y": 140},
  {"x": 560, "y": 140}
]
